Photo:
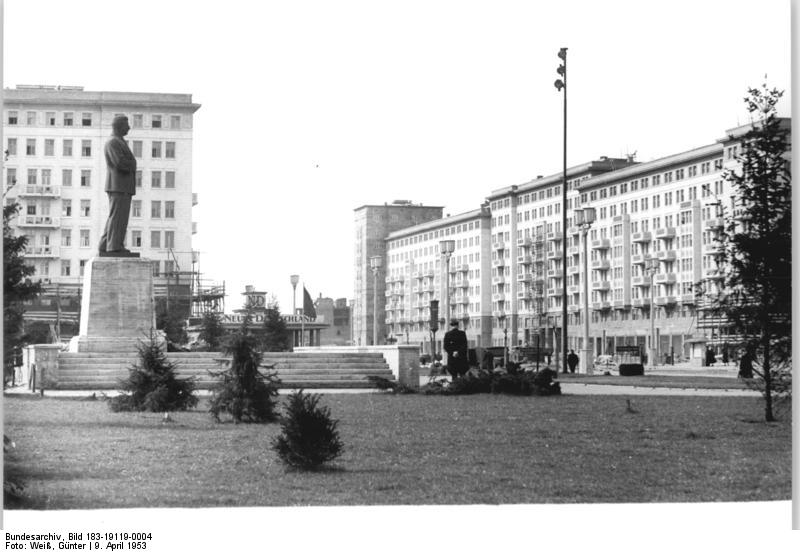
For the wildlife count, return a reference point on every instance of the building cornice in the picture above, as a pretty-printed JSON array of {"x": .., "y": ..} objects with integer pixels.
[
  {"x": 43, "y": 96},
  {"x": 440, "y": 223}
]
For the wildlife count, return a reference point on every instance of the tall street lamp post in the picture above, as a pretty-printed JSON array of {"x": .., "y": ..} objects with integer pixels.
[
  {"x": 584, "y": 218},
  {"x": 561, "y": 84},
  {"x": 375, "y": 264},
  {"x": 294, "y": 278},
  {"x": 446, "y": 248},
  {"x": 652, "y": 268}
]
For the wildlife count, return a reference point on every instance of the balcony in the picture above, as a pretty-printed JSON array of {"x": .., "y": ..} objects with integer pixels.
[
  {"x": 554, "y": 291},
  {"x": 620, "y": 304},
  {"x": 461, "y": 300},
  {"x": 524, "y": 242},
  {"x": 555, "y": 273},
  {"x": 713, "y": 248},
  {"x": 388, "y": 293},
  {"x": 603, "y": 243},
  {"x": 390, "y": 320},
  {"x": 554, "y": 254},
  {"x": 497, "y": 246},
  {"x": 500, "y": 313},
  {"x": 574, "y": 250},
  {"x": 664, "y": 300},
  {"x": 573, "y": 269},
  {"x": 42, "y": 251},
  {"x": 639, "y": 259},
  {"x": 601, "y": 264},
  {"x": 31, "y": 190},
  {"x": 641, "y": 302},
  {"x": 461, "y": 268},
  {"x": 640, "y": 281},
  {"x": 687, "y": 299},
  {"x": 715, "y": 223},
  {"x": 498, "y": 263},
  {"x": 666, "y": 278},
  {"x": 665, "y": 233},
  {"x": 525, "y": 277},
  {"x": 573, "y": 308},
  {"x": 641, "y": 237},
  {"x": 525, "y": 294},
  {"x": 555, "y": 236},
  {"x": 573, "y": 289},
  {"x": 714, "y": 274},
  {"x": 573, "y": 230},
  {"x": 460, "y": 284},
  {"x": 194, "y": 199},
  {"x": 667, "y": 256},
  {"x": 601, "y": 285},
  {"x": 499, "y": 296},
  {"x": 499, "y": 280},
  {"x": 38, "y": 221},
  {"x": 601, "y": 305},
  {"x": 525, "y": 259}
]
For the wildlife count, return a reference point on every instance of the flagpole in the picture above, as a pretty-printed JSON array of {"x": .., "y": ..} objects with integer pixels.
[{"x": 303, "y": 320}]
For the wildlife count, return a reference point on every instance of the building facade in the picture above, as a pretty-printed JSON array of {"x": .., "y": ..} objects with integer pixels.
[
  {"x": 55, "y": 169},
  {"x": 510, "y": 287},
  {"x": 373, "y": 223},
  {"x": 336, "y": 314}
]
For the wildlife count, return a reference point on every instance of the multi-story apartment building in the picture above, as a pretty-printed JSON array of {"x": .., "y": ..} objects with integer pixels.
[
  {"x": 373, "y": 223},
  {"x": 669, "y": 209},
  {"x": 55, "y": 169},
  {"x": 417, "y": 273}
]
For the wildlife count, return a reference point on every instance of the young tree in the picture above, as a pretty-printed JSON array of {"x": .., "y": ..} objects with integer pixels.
[
  {"x": 17, "y": 287},
  {"x": 309, "y": 436},
  {"x": 756, "y": 247},
  {"x": 243, "y": 392},
  {"x": 275, "y": 333},
  {"x": 152, "y": 384},
  {"x": 212, "y": 331}
]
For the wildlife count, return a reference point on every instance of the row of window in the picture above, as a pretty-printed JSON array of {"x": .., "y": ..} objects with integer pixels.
[
  {"x": 45, "y": 178},
  {"x": 86, "y": 118},
  {"x": 136, "y": 208},
  {"x": 43, "y": 269},
  {"x": 137, "y": 147},
  {"x": 136, "y": 238},
  {"x": 434, "y": 234}
]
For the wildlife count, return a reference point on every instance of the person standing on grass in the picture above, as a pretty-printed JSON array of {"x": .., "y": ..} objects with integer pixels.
[
  {"x": 746, "y": 365},
  {"x": 572, "y": 361},
  {"x": 456, "y": 346}
]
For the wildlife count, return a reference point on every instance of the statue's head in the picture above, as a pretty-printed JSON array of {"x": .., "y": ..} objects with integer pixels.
[{"x": 120, "y": 125}]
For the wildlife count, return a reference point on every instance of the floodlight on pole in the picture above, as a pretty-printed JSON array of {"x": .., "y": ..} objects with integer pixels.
[{"x": 561, "y": 85}]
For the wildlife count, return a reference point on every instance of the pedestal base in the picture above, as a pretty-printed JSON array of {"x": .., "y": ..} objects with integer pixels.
[{"x": 117, "y": 307}]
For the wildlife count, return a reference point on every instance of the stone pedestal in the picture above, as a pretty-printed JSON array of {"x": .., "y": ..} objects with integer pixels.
[{"x": 117, "y": 306}]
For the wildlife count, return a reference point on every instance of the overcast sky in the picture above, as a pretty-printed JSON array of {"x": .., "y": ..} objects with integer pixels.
[{"x": 313, "y": 108}]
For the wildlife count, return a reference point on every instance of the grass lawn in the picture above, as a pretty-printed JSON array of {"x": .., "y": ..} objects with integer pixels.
[
  {"x": 668, "y": 381},
  {"x": 406, "y": 449}
]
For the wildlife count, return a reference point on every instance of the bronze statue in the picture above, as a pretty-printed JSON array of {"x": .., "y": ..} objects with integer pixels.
[{"x": 120, "y": 187}]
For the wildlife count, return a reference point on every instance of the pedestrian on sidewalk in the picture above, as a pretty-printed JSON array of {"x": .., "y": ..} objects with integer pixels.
[
  {"x": 572, "y": 361},
  {"x": 456, "y": 346},
  {"x": 746, "y": 364}
]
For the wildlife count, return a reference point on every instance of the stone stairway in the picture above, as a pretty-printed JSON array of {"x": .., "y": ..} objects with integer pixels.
[{"x": 103, "y": 371}]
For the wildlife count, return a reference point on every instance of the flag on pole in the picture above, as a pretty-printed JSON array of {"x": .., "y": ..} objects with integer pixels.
[{"x": 308, "y": 304}]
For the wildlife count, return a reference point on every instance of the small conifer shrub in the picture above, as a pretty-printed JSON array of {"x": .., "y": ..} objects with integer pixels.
[
  {"x": 153, "y": 385},
  {"x": 243, "y": 392},
  {"x": 309, "y": 437}
]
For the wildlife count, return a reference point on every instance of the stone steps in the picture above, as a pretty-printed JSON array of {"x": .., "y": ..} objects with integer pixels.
[{"x": 329, "y": 370}]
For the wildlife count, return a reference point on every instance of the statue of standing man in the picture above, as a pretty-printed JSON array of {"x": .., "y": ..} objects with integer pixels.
[{"x": 120, "y": 187}]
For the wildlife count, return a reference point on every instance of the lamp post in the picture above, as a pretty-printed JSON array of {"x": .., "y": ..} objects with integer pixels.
[
  {"x": 294, "y": 279},
  {"x": 652, "y": 268},
  {"x": 375, "y": 264},
  {"x": 561, "y": 84},
  {"x": 446, "y": 248},
  {"x": 584, "y": 218}
]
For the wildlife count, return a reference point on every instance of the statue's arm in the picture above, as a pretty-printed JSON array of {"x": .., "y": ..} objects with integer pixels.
[{"x": 120, "y": 156}]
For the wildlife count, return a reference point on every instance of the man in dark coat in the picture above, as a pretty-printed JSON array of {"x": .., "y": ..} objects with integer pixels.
[
  {"x": 455, "y": 345},
  {"x": 120, "y": 187},
  {"x": 572, "y": 361}
]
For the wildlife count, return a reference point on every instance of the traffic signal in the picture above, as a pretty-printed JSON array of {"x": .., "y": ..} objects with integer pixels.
[{"x": 434, "y": 315}]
